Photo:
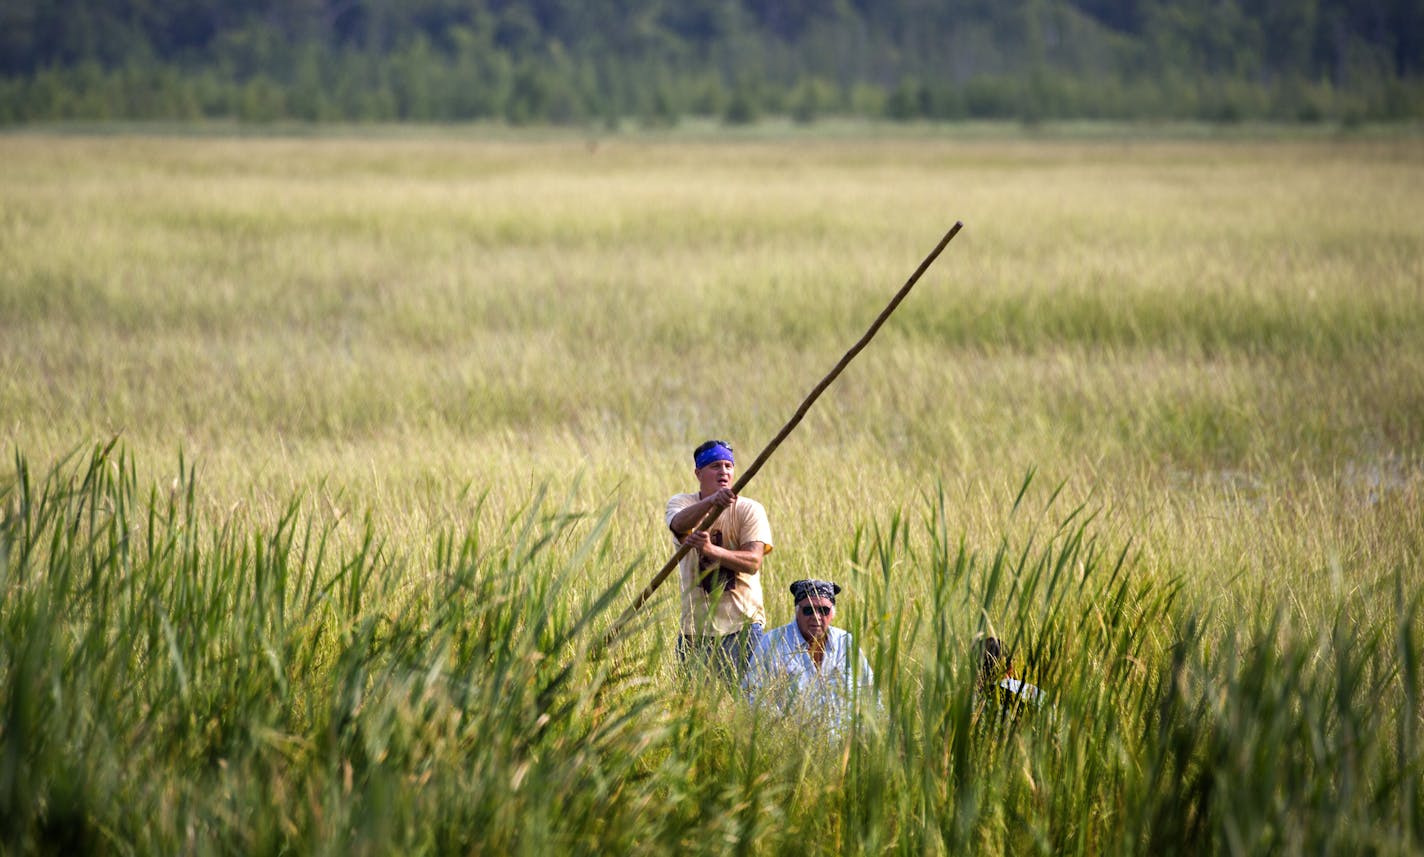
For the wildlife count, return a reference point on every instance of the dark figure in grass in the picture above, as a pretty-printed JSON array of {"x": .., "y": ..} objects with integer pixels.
[
  {"x": 997, "y": 683},
  {"x": 722, "y": 610}
]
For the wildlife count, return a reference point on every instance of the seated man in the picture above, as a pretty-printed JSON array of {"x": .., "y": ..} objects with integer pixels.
[{"x": 804, "y": 668}]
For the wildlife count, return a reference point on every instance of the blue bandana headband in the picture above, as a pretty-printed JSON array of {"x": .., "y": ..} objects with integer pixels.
[
  {"x": 819, "y": 588},
  {"x": 715, "y": 452}
]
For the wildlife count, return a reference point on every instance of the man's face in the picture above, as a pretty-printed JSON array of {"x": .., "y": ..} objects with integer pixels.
[
  {"x": 716, "y": 475},
  {"x": 814, "y": 626}
]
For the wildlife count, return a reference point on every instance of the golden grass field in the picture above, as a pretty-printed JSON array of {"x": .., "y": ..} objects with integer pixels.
[
  {"x": 1213, "y": 346},
  {"x": 1222, "y": 343}
]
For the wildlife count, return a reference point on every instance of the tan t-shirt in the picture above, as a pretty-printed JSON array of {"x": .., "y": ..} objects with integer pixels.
[{"x": 740, "y": 605}]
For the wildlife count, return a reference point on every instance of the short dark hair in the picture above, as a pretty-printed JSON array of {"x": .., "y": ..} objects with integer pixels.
[{"x": 993, "y": 658}]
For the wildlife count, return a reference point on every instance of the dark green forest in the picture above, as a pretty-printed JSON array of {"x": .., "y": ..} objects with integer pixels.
[{"x": 658, "y": 61}]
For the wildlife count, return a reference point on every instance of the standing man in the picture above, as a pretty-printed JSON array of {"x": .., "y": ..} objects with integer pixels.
[
  {"x": 808, "y": 668},
  {"x": 722, "y": 610}
]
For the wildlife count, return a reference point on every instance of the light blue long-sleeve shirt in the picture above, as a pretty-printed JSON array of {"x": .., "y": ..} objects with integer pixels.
[{"x": 783, "y": 674}]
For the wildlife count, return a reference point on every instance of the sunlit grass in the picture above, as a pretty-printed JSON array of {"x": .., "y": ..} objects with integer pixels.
[
  {"x": 1215, "y": 348},
  {"x": 175, "y": 679}
]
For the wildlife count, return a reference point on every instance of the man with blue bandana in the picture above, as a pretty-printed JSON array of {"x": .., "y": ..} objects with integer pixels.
[
  {"x": 809, "y": 670},
  {"x": 722, "y": 610}
]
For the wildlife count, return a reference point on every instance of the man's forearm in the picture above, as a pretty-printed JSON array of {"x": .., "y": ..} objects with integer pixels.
[
  {"x": 742, "y": 561},
  {"x": 683, "y": 522}
]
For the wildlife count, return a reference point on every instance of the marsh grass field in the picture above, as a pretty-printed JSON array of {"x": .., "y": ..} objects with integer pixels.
[{"x": 330, "y": 457}]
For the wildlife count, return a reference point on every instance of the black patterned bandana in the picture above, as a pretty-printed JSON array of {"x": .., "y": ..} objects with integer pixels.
[{"x": 820, "y": 588}]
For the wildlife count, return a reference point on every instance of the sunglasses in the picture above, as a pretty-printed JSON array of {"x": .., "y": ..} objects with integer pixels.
[{"x": 815, "y": 609}]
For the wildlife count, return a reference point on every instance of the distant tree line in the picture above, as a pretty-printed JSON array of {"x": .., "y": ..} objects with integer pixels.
[{"x": 579, "y": 61}]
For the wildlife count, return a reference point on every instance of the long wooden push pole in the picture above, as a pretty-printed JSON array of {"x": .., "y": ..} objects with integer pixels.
[{"x": 711, "y": 516}]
